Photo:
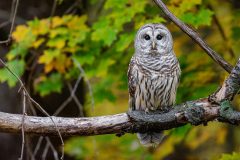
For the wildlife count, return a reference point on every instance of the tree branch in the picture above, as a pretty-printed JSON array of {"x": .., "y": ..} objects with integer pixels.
[
  {"x": 194, "y": 35},
  {"x": 114, "y": 124},
  {"x": 217, "y": 106}
]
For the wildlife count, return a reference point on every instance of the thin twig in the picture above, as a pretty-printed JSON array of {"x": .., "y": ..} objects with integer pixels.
[
  {"x": 32, "y": 109},
  {"x": 75, "y": 4},
  {"x": 44, "y": 112},
  {"x": 23, "y": 118},
  {"x": 55, "y": 154},
  {"x": 87, "y": 82},
  {"x": 29, "y": 149},
  {"x": 79, "y": 105},
  {"x": 45, "y": 151},
  {"x": 12, "y": 25},
  {"x": 40, "y": 140},
  {"x": 192, "y": 34},
  {"x": 13, "y": 7},
  {"x": 4, "y": 24},
  {"x": 68, "y": 100},
  {"x": 36, "y": 104},
  {"x": 53, "y": 10},
  {"x": 221, "y": 31}
]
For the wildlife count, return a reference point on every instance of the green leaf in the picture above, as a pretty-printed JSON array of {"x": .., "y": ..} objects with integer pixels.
[
  {"x": 60, "y": 31},
  {"x": 138, "y": 7},
  {"x": 105, "y": 34},
  {"x": 17, "y": 66},
  {"x": 233, "y": 156},
  {"x": 76, "y": 38},
  {"x": 75, "y": 147},
  {"x": 124, "y": 41},
  {"x": 236, "y": 33},
  {"x": 84, "y": 58},
  {"x": 202, "y": 17},
  {"x": 58, "y": 43},
  {"x": 102, "y": 69},
  {"x": 102, "y": 90},
  {"x": 120, "y": 4},
  {"x": 49, "y": 55},
  {"x": 53, "y": 83},
  {"x": 204, "y": 90},
  {"x": 189, "y": 4},
  {"x": 17, "y": 50},
  {"x": 184, "y": 6},
  {"x": 181, "y": 131}
]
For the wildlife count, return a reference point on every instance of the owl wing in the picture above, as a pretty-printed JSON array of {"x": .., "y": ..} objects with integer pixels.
[{"x": 132, "y": 81}]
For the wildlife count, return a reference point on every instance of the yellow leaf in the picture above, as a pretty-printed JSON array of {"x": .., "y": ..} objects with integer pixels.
[
  {"x": 201, "y": 135},
  {"x": 69, "y": 49},
  {"x": 61, "y": 63},
  {"x": 58, "y": 31},
  {"x": 48, "y": 56},
  {"x": 103, "y": 67},
  {"x": 168, "y": 146},
  {"x": 204, "y": 77},
  {"x": 42, "y": 28},
  {"x": 20, "y": 33},
  {"x": 58, "y": 43},
  {"x": 49, "y": 67},
  {"x": 178, "y": 7},
  {"x": 57, "y": 21},
  {"x": 78, "y": 23},
  {"x": 221, "y": 136},
  {"x": 67, "y": 18},
  {"x": 37, "y": 43}
]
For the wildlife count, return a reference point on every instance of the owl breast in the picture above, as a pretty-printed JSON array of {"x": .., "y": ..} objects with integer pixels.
[
  {"x": 156, "y": 89},
  {"x": 156, "y": 92}
]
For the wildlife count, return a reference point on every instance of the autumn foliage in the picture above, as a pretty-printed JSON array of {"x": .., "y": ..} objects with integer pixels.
[{"x": 48, "y": 52}]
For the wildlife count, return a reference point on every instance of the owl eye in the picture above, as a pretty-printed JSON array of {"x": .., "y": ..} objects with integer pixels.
[
  {"x": 159, "y": 37},
  {"x": 147, "y": 37}
]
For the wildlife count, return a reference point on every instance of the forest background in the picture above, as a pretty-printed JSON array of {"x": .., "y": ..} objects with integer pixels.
[{"x": 64, "y": 45}]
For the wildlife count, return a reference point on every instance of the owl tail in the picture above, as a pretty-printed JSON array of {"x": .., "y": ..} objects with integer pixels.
[{"x": 150, "y": 139}]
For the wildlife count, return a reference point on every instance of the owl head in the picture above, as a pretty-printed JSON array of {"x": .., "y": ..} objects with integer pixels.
[{"x": 153, "y": 39}]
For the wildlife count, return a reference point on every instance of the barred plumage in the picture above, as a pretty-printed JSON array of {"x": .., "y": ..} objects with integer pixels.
[{"x": 153, "y": 74}]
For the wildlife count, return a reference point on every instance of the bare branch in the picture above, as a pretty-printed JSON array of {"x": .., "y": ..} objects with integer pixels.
[
  {"x": 112, "y": 124},
  {"x": 77, "y": 102},
  {"x": 74, "y": 5},
  {"x": 23, "y": 118},
  {"x": 54, "y": 151},
  {"x": 38, "y": 145},
  {"x": 194, "y": 35},
  {"x": 45, "y": 151},
  {"x": 87, "y": 82},
  {"x": 22, "y": 87},
  {"x": 196, "y": 112},
  {"x": 13, "y": 17},
  {"x": 53, "y": 10},
  {"x": 69, "y": 99}
]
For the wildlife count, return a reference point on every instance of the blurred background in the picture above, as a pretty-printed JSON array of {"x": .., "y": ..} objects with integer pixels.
[{"x": 73, "y": 57}]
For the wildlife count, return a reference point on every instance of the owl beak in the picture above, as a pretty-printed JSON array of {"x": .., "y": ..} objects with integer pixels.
[{"x": 153, "y": 46}]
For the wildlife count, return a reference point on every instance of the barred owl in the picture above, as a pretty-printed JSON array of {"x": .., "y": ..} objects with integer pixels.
[{"x": 153, "y": 75}]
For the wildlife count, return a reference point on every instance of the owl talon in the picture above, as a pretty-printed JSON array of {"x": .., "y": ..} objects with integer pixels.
[
  {"x": 135, "y": 115},
  {"x": 147, "y": 111},
  {"x": 166, "y": 109}
]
